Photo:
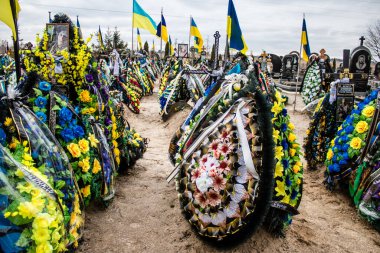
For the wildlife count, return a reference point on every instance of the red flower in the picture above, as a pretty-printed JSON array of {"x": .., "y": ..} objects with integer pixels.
[
  {"x": 201, "y": 199},
  {"x": 213, "y": 198},
  {"x": 225, "y": 148},
  {"x": 224, "y": 166},
  {"x": 195, "y": 174},
  {"x": 214, "y": 146},
  {"x": 219, "y": 183}
]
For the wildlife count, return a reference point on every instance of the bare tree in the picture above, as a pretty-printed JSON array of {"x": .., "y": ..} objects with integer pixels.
[{"x": 373, "y": 39}]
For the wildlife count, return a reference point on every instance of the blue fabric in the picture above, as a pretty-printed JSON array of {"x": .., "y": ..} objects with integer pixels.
[{"x": 235, "y": 70}]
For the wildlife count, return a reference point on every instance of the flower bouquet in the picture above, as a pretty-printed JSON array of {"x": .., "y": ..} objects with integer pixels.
[
  {"x": 350, "y": 140},
  {"x": 224, "y": 160},
  {"x": 312, "y": 84}
]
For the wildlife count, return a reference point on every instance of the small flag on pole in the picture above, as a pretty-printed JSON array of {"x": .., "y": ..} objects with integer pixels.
[
  {"x": 100, "y": 39},
  {"x": 234, "y": 32},
  {"x": 6, "y": 15},
  {"x": 139, "y": 38},
  {"x": 305, "y": 46},
  {"x": 162, "y": 30},
  {"x": 142, "y": 20},
  {"x": 194, "y": 31}
]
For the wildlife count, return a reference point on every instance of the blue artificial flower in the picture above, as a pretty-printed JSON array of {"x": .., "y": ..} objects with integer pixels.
[
  {"x": 284, "y": 127},
  {"x": 345, "y": 147},
  {"x": 42, "y": 116},
  {"x": 343, "y": 162},
  {"x": 336, "y": 168},
  {"x": 3, "y": 137},
  {"x": 284, "y": 112},
  {"x": 285, "y": 163},
  {"x": 294, "y": 194},
  {"x": 284, "y": 144},
  {"x": 288, "y": 181},
  {"x": 45, "y": 86},
  {"x": 349, "y": 129},
  {"x": 65, "y": 114},
  {"x": 73, "y": 123},
  {"x": 355, "y": 111},
  {"x": 40, "y": 102},
  {"x": 77, "y": 109},
  {"x": 361, "y": 106},
  {"x": 345, "y": 156},
  {"x": 67, "y": 135},
  {"x": 34, "y": 154},
  {"x": 78, "y": 131}
]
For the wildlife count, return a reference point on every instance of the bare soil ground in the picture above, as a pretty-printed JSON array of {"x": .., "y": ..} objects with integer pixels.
[{"x": 145, "y": 214}]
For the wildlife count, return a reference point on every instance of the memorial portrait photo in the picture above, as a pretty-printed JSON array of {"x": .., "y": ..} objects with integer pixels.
[{"x": 58, "y": 37}]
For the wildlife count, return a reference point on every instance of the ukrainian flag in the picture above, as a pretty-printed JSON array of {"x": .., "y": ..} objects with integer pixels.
[
  {"x": 142, "y": 20},
  {"x": 6, "y": 15},
  {"x": 139, "y": 38},
  {"x": 100, "y": 39},
  {"x": 234, "y": 33},
  {"x": 305, "y": 51},
  {"x": 153, "y": 48},
  {"x": 162, "y": 30},
  {"x": 194, "y": 31},
  {"x": 171, "y": 46}
]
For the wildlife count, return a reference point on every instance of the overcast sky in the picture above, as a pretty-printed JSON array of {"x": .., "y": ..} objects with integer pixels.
[{"x": 274, "y": 25}]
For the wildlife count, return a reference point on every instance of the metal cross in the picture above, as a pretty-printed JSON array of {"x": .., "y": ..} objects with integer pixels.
[
  {"x": 216, "y": 55},
  {"x": 362, "y": 39}
]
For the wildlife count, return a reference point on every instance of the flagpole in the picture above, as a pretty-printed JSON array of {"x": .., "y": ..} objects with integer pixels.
[
  {"x": 190, "y": 33},
  {"x": 16, "y": 41},
  {"x": 298, "y": 71},
  {"x": 133, "y": 22},
  {"x": 162, "y": 13}
]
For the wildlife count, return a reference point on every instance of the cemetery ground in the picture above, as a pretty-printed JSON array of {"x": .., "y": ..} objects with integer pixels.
[{"x": 145, "y": 214}]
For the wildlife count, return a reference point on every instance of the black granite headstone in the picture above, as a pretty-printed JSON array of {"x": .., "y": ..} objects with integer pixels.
[{"x": 360, "y": 63}]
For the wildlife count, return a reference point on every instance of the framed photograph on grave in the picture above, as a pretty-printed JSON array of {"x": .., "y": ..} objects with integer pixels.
[
  {"x": 183, "y": 50},
  {"x": 58, "y": 35},
  {"x": 345, "y": 101}
]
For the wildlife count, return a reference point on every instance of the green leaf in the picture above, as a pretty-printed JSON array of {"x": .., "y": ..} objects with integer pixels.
[
  {"x": 56, "y": 108},
  {"x": 38, "y": 92},
  {"x": 24, "y": 239},
  {"x": 36, "y": 109}
]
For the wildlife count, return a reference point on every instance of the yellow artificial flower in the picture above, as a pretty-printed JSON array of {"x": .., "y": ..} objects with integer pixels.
[
  {"x": 115, "y": 135},
  {"x": 295, "y": 145},
  {"x": 292, "y": 152},
  {"x": 43, "y": 220},
  {"x": 340, "y": 128},
  {"x": 279, "y": 170},
  {"x": 280, "y": 189},
  {"x": 117, "y": 159},
  {"x": 44, "y": 247},
  {"x": 296, "y": 168},
  {"x": 7, "y": 214},
  {"x": 84, "y": 146},
  {"x": 115, "y": 144},
  {"x": 85, "y": 164},
  {"x": 93, "y": 141},
  {"x": 8, "y": 122},
  {"x": 356, "y": 143},
  {"x": 96, "y": 168},
  {"x": 86, "y": 191},
  {"x": 276, "y": 108},
  {"x": 369, "y": 111},
  {"x": 330, "y": 154},
  {"x": 279, "y": 152},
  {"x": 14, "y": 143},
  {"x": 55, "y": 236},
  {"x": 292, "y": 137},
  {"x": 286, "y": 199},
  {"x": 276, "y": 134},
  {"x": 291, "y": 126},
  {"x": 361, "y": 127},
  {"x": 116, "y": 151},
  {"x": 136, "y": 135},
  {"x": 307, "y": 131},
  {"x": 27, "y": 210},
  {"x": 74, "y": 150}
]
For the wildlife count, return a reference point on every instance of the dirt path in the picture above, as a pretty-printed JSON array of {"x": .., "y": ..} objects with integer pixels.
[{"x": 145, "y": 214}]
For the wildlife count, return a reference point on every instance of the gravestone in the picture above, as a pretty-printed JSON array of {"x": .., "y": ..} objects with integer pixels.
[
  {"x": 360, "y": 65},
  {"x": 276, "y": 65},
  {"x": 289, "y": 66}
]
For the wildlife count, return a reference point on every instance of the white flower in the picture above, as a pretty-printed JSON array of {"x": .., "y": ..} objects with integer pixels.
[{"x": 203, "y": 182}]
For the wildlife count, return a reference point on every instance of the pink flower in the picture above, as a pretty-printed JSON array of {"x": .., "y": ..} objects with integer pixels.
[
  {"x": 201, "y": 199},
  {"x": 212, "y": 173},
  {"x": 225, "y": 135},
  {"x": 216, "y": 154},
  {"x": 214, "y": 146},
  {"x": 219, "y": 183},
  {"x": 204, "y": 159},
  {"x": 224, "y": 165},
  {"x": 213, "y": 198},
  {"x": 195, "y": 174},
  {"x": 225, "y": 148}
]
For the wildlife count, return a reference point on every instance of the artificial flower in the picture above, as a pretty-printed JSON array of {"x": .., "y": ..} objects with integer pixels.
[
  {"x": 213, "y": 197},
  {"x": 330, "y": 154},
  {"x": 96, "y": 168},
  {"x": 86, "y": 191},
  {"x": 74, "y": 150},
  {"x": 27, "y": 210},
  {"x": 369, "y": 111},
  {"x": 93, "y": 141},
  {"x": 41, "y": 116},
  {"x": 40, "y": 102},
  {"x": 8, "y": 122},
  {"x": 85, "y": 96},
  {"x": 84, "y": 146},
  {"x": 356, "y": 143},
  {"x": 45, "y": 86},
  {"x": 361, "y": 127},
  {"x": 84, "y": 164},
  {"x": 292, "y": 137}
]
